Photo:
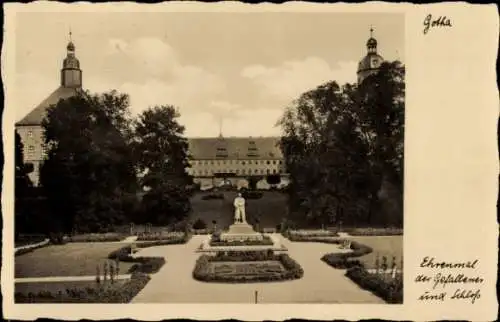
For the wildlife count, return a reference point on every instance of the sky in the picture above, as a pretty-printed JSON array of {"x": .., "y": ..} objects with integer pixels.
[{"x": 235, "y": 71}]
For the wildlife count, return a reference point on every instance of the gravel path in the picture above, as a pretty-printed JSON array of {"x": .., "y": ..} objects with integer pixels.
[{"x": 320, "y": 284}]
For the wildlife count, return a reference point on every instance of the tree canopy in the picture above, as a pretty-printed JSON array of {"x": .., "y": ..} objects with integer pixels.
[{"x": 341, "y": 144}]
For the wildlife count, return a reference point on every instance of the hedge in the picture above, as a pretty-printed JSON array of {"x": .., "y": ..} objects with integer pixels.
[
  {"x": 266, "y": 241},
  {"x": 213, "y": 196},
  {"x": 374, "y": 231},
  {"x": 203, "y": 272},
  {"x": 149, "y": 265},
  {"x": 88, "y": 238},
  {"x": 122, "y": 294},
  {"x": 159, "y": 239},
  {"x": 391, "y": 292},
  {"x": 344, "y": 260}
]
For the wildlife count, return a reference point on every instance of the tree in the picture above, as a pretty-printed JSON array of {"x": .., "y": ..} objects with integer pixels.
[
  {"x": 22, "y": 189},
  {"x": 89, "y": 177},
  {"x": 340, "y": 143},
  {"x": 161, "y": 151}
]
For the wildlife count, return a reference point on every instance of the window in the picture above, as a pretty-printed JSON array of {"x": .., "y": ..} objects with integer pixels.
[
  {"x": 243, "y": 171},
  {"x": 268, "y": 162},
  {"x": 274, "y": 161},
  {"x": 30, "y": 134},
  {"x": 274, "y": 171},
  {"x": 243, "y": 162},
  {"x": 31, "y": 148},
  {"x": 256, "y": 171}
]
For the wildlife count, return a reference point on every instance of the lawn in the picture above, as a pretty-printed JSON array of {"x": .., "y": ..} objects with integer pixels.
[
  {"x": 388, "y": 246},
  {"x": 270, "y": 209},
  {"x": 66, "y": 260}
]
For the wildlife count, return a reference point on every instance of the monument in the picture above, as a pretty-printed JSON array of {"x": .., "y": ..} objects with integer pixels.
[{"x": 240, "y": 230}]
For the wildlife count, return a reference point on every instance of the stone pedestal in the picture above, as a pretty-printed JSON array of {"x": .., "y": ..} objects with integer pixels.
[{"x": 240, "y": 232}]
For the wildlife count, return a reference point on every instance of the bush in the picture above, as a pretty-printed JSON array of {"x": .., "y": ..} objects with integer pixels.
[
  {"x": 344, "y": 260},
  {"x": 90, "y": 238},
  {"x": 148, "y": 265},
  {"x": 375, "y": 231},
  {"x": 213, "y": 196},
  {"x": 122, "y": 294},
  {"x": 203, "y": 271},
  {"x": 57, "y": 239},
  {"x": 199, "y": 224},
  {"x": 252, "y": 194},
  {"x": 304, "y": 234},
  {"x": 390, "y": 291},
  {"x": 161, "y": 236}
]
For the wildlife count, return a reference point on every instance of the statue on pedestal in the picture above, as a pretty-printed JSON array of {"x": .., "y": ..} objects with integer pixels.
[{"x": 239, "y": 209}]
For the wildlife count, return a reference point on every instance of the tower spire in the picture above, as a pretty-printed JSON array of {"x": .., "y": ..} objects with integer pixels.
[
  {"x": 220, "y": 126},
  {"x": 371, "y": 31}
]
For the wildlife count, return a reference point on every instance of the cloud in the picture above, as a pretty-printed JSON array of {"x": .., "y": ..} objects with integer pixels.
[{"x": 292, "y": 78}]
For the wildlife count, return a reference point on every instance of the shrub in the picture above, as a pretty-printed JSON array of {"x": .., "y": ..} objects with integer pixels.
[
  {"x": 161, "y": 236},
  {"x": 213, "y": 196},
  {"x": 57, "y": 239},
  {"x": 199, "y": 224},
  {"x": 122, "y": 294},
  {"x": 89, "y": 238},
  {"x": 344, "y": 260},
  {"x": 375, "y": 231},
  {"x": 391, "y": 291},
  {"x": 252, "y": 194},
  {"x": 148, "y": 265}
]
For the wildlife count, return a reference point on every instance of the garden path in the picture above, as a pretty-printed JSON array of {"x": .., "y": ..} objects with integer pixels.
[{"x": 321, "y": 283}]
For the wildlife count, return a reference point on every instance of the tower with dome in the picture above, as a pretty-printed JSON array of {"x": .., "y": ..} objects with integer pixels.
[
  {"x": 30, "y": 127},
  {"x": 371, "y": 62}
]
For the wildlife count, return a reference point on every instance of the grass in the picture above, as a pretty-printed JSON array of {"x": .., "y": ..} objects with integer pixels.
[
  {"x": 270, "y": 209},
  {"x": 66, "y": 260},
  {"x": 388, "y": 246}
]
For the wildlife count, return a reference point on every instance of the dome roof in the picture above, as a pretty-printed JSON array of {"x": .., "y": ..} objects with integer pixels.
[
  {"x": 71, "y": 46},
  {"x": 365, "y": 63},
  {"x": 372, "y": 42}
]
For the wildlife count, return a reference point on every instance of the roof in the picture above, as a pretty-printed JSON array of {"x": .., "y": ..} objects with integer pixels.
[
  {"x": 36, "y": 116},
  {"x": 258, "y": 148}
]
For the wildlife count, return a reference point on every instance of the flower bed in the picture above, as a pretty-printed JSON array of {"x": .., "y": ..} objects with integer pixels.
[
  {"x": 390, "y": 291},
  {"x": 87, "y": 238},
  {"x": 345, "y": 260},
  {"x": 262, "y": 272},
  {"x": 266, "y": 241},
  {"x": 101, "y": 293},
  {"x": 149, "y": 265},
  {"x": 375, "y": 231}
]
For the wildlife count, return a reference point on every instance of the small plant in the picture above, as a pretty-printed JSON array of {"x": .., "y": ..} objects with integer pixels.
[
  {"x": 111, "y": 273},
  {"x": 97, "y": 275},
  {"x": 105, "y": 271},
  {"x": 384, "y": 264}
]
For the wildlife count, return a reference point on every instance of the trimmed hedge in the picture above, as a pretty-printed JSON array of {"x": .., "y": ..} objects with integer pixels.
[
  {"x": 122, "y": 294},
  {"x": 391, "y": 292},
  {"x": 203, "y": 272},
  {"x": 88, "y": 238},
  {"x": 375, "y": 231},
  {"x": 169, "y": 239},
  {"x": 29, "y": 250},
  {"x": 149, "y": 265},
  {"x": 344, "y": 260},
  {"x": 266, "y": 241},
  {"x": 213, "y": 196}
]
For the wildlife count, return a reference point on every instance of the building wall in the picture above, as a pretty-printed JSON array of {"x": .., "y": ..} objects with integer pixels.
[
  {"x": 247, "y": 167},
  {"x": 34, "y": 152}
]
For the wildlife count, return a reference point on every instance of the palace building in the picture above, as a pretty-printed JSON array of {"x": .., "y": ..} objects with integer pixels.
[
  {"x": 30, "y": 127},
  {"x": 233, "y": 160}
]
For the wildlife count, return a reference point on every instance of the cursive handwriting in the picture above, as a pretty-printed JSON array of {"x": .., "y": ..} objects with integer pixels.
[
  {"x": 429, "y": 262},
  {"x": 430, "y": 22}
]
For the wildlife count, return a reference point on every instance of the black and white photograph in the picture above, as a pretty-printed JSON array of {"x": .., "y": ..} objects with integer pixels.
[{"x": 209, "y": 157}]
